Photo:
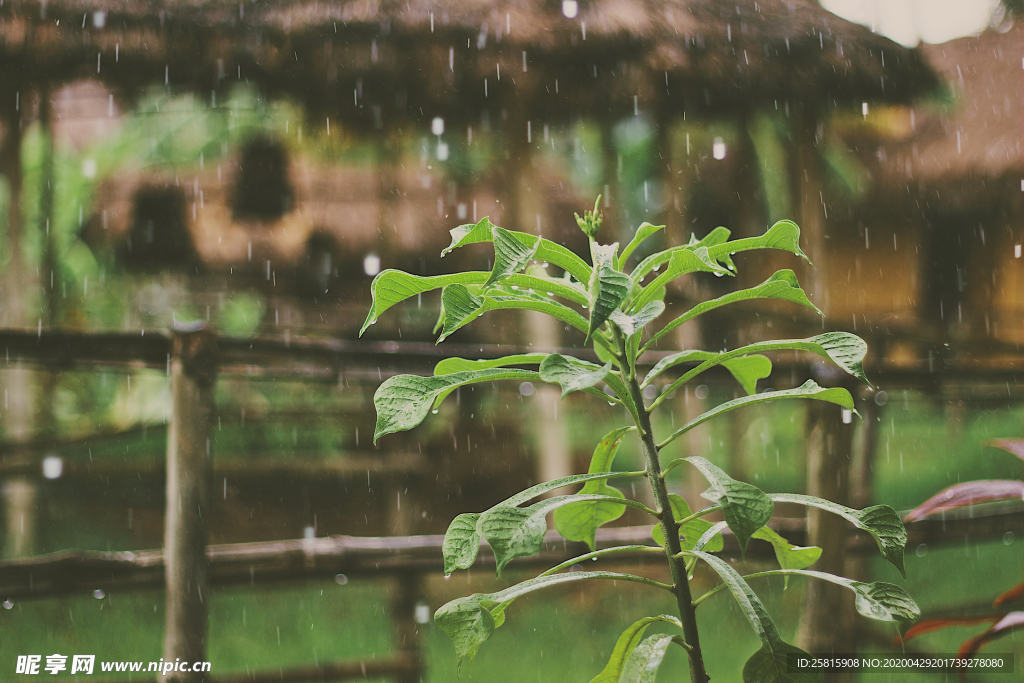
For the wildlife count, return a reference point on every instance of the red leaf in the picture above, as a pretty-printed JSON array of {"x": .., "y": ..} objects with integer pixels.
[
  {"x": 1003, "y": 627},
  {"x": 1013, "y": 595},
  {"x": 937, "y": 623},
  {"x": 1013, "y": 446},
  {"x": 967, "y": 493}
]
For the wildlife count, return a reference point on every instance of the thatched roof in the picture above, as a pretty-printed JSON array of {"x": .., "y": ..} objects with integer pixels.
[
  {"x": 971, "y": 147},
  {"x": 369, "y": 62}
]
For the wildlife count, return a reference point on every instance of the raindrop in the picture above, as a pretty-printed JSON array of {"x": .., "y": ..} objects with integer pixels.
[
  {"x": 864, "y": 109},
  {"x": 8, "y": 604},
  {"x": 921, "y": 550},
  {"x": 847, "y": 416},
  {"x": 53, "y": 466},
  {"x": 881, "y": 398},
  {"x": 340, "y": 579},
  {"x": 526, "y": 389},
  {"x": 701, "y": 392},
  {"x": 371, "y": 264},
  {"x": 1007, "y": 538},
  {"x": 99, "y": 594},
  {"x": 422, "y": 613},
  {"x": 570, "y": 8},
  {"x": 718, "y": 149},
  {"x": 437, "y": 126},
  {"x": 650, "y": 391}
]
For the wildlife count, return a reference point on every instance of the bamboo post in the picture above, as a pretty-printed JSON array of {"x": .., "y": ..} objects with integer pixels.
[{"x": 192, "y": 370}]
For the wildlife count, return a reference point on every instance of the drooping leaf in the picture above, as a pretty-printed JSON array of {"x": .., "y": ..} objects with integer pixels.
[
  {"x": 572, "y": 374},
  {"x": 468, "y": 621},
  {"x": 510, "y": 254},
  {"x": 462, "y": 307},
  {"x": 746, "y": 507},
  {"x": 642, "y": 233},
  {"x": 746, "y": 369},
  {"x": 717, "y": 236},
  {"x": 689, "y": 532},
  {"x": 461, "y": 542},
  {"x": 788, "y": 555},
  {"x": 456, "y": 364},
  {"x": 844, "y": 349},
  {"x": 782, "y": 285},
  {"x": 608, "y": 287},
  {"x": 403, "y": 401},
  {"x": 966, "y": 494},
  {"x": 514, "y": 532},
  {"x": 546, "y": 249},
  {"x": 683, "y": 261},
  {"x": 881, "y": 521},
  {"x": 625, "y": 645},
  {"x": 580, "y": 521},
  {"x": 391, "y": 287},
  {"x": 768, "y": 664},
  {"x": 879, "y": 600},
  {"x": 808, "y": 389},
  {"x": 644, "y": 662}
]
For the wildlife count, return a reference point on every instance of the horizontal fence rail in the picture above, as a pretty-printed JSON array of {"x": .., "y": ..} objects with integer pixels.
[{"x": 81, "y": 571}]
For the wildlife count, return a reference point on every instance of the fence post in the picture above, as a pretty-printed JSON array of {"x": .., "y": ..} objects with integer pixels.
[{"x": 193, "y": 364}]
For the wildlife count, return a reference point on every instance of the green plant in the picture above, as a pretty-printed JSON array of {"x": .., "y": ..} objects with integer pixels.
[{"x": 612, "y": 309}]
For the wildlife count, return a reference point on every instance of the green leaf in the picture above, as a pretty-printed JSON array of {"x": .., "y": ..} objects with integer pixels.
[
  {"x": 746, "y": 507},
  {"x": 510, "y": 254},
  {"x": 572, "y": 374},
  {"x": 642, "y": 233},
  {"x": 580, "y": 521},
  {"x": 683, "y": 261},
  {"x": 746, "y": 369},
  {"x": 394, "y": 286},
  {"x": 546, "y": 249},
  {"x": 789, "y": 556},
  {"x": 468, "y": 621},
  {"x": 881, "y": 521},
  {"x": 768, "y": 664},
  {"x": 403, "y": 401},
  {"x": 608, "y": 287},
  {"x": 842, "y": 348},
  {"x": 625, "y": 646},
  {"x": 514, "y": 532},
  {"x": 461, "y": 542},
  {"x": 783, "y": 235},
  {"x": 633, "y": 325},
  {"x": 771, "y": 665},
  {"x": 809, "y": 389},
  {"x": 782, "y": 285},
  {"x": 462, "y": 307},
  {"x": 691, "y": 531},
  {"x": 879, "y": 601},
  {"x": 456, "y": 364},
  {"x": 644, "y": 662}
]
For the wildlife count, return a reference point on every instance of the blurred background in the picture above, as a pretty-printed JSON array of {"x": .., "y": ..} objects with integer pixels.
[{"x": 254, "y": 165}]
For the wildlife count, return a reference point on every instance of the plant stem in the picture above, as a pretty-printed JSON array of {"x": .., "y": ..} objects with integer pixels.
[{"x": 670, "y": 527}]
